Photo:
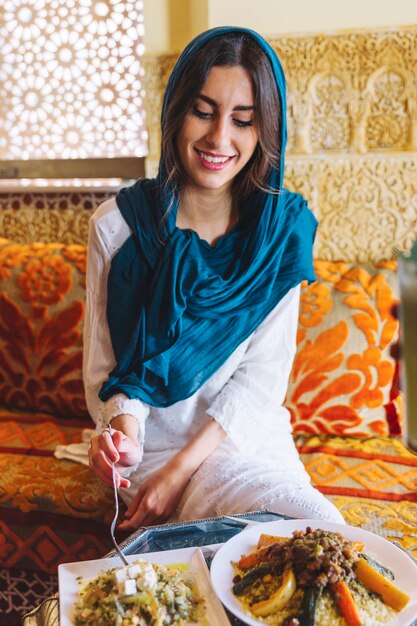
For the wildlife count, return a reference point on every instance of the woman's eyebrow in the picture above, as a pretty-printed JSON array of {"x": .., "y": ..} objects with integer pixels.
[{"x": 214, "y": 103}]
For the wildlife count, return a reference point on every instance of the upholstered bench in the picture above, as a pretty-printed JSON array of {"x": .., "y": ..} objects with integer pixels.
[{"x": 343, "y": 397}]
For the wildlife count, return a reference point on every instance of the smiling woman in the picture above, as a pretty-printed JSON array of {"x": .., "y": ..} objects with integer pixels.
[
  {"x": 207, "y": 89},
  {"x": 192, "y": 301}
]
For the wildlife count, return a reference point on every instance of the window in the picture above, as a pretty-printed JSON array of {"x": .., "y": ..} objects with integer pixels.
[{"x": 71, "y": 84}]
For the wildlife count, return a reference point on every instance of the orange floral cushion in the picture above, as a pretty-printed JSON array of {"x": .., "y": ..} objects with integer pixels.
[
  {"x": 344, "y": 381},
  {"x": 42, "y": 293}
]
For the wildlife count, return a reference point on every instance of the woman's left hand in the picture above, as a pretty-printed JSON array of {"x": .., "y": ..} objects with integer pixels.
[{"x": 157, "y": 498}]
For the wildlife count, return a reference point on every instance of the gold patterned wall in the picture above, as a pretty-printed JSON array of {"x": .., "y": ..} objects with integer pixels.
[
  {"x": 352, "y": 150},
  {"x": 352, "y": 118}
]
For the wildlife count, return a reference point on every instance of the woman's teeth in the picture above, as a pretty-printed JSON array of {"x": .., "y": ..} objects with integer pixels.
[{"x": 213, "y": 159}]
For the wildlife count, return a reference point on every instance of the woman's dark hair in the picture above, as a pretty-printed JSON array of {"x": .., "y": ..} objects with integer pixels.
[{"x": 228, "y": 50}]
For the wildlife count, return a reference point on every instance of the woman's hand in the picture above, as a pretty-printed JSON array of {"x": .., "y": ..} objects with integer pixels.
[
  {"x": 158, "y": 497},
  {"x": 121, "y": 448}
]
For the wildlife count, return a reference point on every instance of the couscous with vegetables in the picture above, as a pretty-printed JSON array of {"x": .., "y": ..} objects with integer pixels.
[{"x": 315, "y": 578}]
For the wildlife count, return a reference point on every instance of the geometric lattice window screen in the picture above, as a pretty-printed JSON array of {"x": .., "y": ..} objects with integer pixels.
[{"x": 71, "y": 79}]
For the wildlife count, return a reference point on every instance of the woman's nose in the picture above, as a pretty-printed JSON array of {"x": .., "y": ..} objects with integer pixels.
[{"x": 218, "y": 134}]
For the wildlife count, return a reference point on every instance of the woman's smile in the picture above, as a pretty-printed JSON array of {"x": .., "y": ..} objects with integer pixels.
[{"x": 214, "y": 162}]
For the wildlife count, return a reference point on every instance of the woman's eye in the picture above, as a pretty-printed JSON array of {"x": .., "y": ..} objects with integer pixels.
[
  {"x": 243, "y": 123},
  {"x": 201, "y": 114}
]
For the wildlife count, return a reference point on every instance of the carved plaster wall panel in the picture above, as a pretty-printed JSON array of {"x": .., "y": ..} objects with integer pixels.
[
  {"x": 351, "y": 91},
  {"x": 157, "y": 71},
  {"x": 365, "y": 205}
]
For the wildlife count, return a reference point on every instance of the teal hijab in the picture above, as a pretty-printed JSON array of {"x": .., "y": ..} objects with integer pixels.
[{"x": 178, "y": 309}]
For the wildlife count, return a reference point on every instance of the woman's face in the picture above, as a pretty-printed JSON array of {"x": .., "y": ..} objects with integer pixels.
[{"x": 218, "y": 136}]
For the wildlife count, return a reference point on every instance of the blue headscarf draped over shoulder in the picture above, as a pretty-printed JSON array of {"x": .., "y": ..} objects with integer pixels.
[{"x": 178, "y": 309}]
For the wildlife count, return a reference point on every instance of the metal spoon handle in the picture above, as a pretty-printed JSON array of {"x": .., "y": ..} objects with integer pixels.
[{"x": 116, "y": 513}]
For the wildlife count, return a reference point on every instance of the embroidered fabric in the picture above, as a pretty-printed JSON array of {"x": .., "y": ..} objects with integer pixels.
[
  {"x": 120, "y": 405},
  {"x": 245, "y": 431}
]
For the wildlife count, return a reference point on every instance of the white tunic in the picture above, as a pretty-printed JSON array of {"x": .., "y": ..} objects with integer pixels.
[{"x": 256, "y": 466}]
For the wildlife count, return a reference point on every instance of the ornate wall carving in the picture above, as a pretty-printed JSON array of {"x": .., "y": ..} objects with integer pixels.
[
  {"x": 352, "y": 150},
  {"x": 157, "y": 71},
  {"x": 365, "y": 204}
]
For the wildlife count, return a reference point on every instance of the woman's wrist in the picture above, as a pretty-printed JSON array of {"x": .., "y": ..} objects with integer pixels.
[{"x": 127, "y": 424}]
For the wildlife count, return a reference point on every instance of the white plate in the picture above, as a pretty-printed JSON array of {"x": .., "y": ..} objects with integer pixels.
[
  {"x": 387, "y": 554},
  {"x": 68, "y": 586}
]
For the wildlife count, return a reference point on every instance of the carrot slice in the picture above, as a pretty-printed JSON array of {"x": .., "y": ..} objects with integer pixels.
[
  {"x": 376, "y": 582},
  {"x": 346, "y": 603},
  {"x": 252, "y": 559}
]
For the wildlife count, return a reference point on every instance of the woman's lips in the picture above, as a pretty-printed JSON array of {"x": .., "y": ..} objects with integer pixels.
[{"x": 213, "y": 162}]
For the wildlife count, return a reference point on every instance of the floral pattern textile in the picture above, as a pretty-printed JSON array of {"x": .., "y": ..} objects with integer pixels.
[
  {"x": 51, "y": 511},
  {"x": 42, "y": 297},
  {"x": 344, "y": 381}
]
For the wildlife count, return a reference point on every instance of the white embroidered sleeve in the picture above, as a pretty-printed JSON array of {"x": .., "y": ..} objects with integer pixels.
[
  {"x": 250, "y": 404},
  {"x": 108, "y": 232}
]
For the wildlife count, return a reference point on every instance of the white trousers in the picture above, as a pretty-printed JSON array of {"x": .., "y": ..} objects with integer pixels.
[{"x": 229, "y": 483}]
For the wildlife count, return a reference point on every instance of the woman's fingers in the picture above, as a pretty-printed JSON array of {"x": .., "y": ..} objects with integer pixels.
[
  {"x": 100, "y": 465},
  {"x": 108, "y": 445},
  {"x": 102, "y": 455},
  {"x": 141, "y": 517},
  {"x": 135, "y": 514}
]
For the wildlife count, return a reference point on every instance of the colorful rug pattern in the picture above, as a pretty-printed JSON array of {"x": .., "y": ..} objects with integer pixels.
[
  {"x": 372, "y": 481},
  {"x": 20, "y": 591},
  {"x": 56, "y": 511}
]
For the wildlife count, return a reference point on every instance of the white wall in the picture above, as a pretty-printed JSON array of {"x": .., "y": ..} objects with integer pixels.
[
  {"x": 156, "y": 26},
  {"x": 170, "y": 24},
  {"x": 271, "y": 17}
]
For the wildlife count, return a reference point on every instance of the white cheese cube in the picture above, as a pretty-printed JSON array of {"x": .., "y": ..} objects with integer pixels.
[
  {"x": 146, "y": 579},
  {"x": 120, "y": 575},
  {"x": 127, "y": 587},
  {"x": 134, "y": 570}
]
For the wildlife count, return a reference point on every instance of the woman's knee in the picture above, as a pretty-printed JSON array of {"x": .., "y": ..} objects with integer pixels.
[{"x": 305, "y": 503}]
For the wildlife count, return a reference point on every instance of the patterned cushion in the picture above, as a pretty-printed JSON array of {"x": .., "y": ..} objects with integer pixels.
[
  {"x": 42, "y": 293},
  {"x": 372, "y": 481},
  {"x": 343, "y": 380}
]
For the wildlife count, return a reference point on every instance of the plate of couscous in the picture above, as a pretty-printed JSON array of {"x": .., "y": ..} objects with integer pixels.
[{"x": 315, "y": 573}]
